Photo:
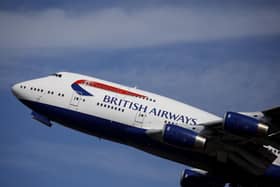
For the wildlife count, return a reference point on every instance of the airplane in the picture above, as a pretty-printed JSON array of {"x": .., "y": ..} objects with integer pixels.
[{"x": 238, "y": 149}]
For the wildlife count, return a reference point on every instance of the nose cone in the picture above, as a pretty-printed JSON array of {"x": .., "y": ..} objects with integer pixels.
[{"x": 15, "y": 90}]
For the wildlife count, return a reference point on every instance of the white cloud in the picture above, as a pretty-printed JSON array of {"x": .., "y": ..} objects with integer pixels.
[{"x": 119, "y": 28}]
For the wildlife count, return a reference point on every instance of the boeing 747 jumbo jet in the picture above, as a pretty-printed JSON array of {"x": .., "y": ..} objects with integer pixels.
[{"x": 240, "y": 148}]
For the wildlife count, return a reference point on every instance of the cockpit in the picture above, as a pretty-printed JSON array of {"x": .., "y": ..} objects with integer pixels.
[{"x": 56, "y": 75}]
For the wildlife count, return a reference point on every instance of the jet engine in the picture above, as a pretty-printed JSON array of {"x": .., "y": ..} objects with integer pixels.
[
  {"x": 240, "y": 124},
  {"x": 192, "y": 178},
  {"x": 182, "y": 137}
]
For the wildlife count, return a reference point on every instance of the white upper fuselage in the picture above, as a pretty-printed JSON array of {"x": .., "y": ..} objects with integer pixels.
[{"x": 111, "y": 101}]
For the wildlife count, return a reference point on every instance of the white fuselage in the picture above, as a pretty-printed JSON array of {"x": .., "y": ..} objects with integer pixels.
[
  {"x": 109, "y": 101},
  {"x": 113, "y": 111},
  {"x": 127, "y": 115}
]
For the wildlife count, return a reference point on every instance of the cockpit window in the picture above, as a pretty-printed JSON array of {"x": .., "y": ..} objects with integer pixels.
[{"x": 57, "y": 75}]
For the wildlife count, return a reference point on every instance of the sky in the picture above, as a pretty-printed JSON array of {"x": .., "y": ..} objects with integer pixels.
[{"x": 216, "y": 55}]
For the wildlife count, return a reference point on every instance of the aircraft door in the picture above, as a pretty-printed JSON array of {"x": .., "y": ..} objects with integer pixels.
[
  {"x": 39, "y": 94},
  {"x": 75, "y": 99},
  {"x": 139, "y": 118}
]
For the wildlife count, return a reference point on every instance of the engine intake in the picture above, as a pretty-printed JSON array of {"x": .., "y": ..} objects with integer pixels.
[
  {"x": 244, "y": 125},
  {"x": 182, "y": 137}
]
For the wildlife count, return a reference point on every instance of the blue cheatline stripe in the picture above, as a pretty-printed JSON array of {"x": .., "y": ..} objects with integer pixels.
[
  {"x": 273, "y": 171},
  {"x": 114, "y": 131},
  {"x": 79, "y": 90}
]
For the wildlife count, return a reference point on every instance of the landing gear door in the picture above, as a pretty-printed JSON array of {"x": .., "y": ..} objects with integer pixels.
[{"x": 75, "y": 99}]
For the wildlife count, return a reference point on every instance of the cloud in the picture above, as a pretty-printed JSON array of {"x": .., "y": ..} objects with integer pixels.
[
  {"x": 121, "y": 28},
  {"x": 211, "y": 76}
]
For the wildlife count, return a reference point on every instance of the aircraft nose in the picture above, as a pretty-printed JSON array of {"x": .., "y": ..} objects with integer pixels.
[{"x": 15, "y": 90}]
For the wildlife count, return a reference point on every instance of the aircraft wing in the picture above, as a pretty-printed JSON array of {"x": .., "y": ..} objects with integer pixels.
[
  {"x": 273, "y": 114},
  {"x": 247, "y": 152},
  {"x": 273, "y": 118}
]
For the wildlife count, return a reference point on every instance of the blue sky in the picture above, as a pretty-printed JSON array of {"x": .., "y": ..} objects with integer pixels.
[{"x": 217, "y": 56}]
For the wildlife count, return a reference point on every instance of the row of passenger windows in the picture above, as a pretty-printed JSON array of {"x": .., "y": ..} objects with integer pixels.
[
  {"x": 48, "y": 92},
  {"x": 172, "y": 123},
  {"x": 146, "y": 98},
  {"x": 62, "y": 95},
  {"x": 110, "y": 107},
  {"x": 42, "y": 90},
  {"x": 36, "y": 89}
]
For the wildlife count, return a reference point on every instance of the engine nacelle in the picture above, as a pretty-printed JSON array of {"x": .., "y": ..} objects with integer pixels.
[
  {"x": 244, "y": 125},
  {"x": 191, "y": 178},
  {"x": 182, "y": 137}
]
